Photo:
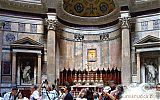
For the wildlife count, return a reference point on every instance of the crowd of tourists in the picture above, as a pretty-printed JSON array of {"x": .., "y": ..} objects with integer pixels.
[
  {"x": 46, "y": 92},
  {"x": 111, "y": 92}
]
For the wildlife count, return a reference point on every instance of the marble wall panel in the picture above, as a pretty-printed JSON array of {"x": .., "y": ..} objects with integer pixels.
[
  {"x": 70, "y": 54},
  {"x": 28, "y": 28},
  {"x": 62, "y": 54},
  {"x": 6, "y": 79},
  {"x": 104, "y": 54},
  {"x": 33, "y": 28},
  {"x": 6, "y": 68},
  {"x": 40, "y": 28},
  {"x": 6, "y": 55},
  {"x": 115, "y": 53},
  {"x": 14, "y": 26},
  {"x": 78, "y": 55},
  {"x": 21, "y": 27}
]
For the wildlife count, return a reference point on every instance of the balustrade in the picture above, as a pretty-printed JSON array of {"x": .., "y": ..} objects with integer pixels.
[{"x": 99, "y": 76}]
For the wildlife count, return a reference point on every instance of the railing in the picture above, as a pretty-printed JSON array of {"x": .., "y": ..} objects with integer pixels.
[{"x": 74, "y": 76}]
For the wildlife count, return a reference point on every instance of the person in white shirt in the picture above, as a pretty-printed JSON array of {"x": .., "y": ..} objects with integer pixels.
[
  {"x": 53, "y": 95},
  {"x": 35, "y": 95},
  {"x": 11, "y": 95},
  {"x": 62, "y": 94}
]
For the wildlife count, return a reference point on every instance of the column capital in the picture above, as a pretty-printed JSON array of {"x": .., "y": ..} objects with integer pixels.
[
  {"x": 125, "y": 21},
  {"x": 51, "y": 24}
]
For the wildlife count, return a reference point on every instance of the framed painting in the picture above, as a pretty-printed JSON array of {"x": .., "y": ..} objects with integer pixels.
[{"x": 91, "y": 55}]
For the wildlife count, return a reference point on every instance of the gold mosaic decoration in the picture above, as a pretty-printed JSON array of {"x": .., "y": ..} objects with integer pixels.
[{"x": 88, "y": 8}]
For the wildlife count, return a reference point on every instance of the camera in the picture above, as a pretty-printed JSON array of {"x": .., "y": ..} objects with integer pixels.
[{"x": 45, "y": 81}]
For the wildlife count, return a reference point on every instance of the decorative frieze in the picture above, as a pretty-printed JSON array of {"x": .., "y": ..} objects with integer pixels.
[
  {"x": 104, "y": 36},
  {"x": 78, "y": 37}
]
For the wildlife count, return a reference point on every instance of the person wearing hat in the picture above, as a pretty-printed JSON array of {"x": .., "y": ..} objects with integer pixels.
[{"x": 11, "y": 95}]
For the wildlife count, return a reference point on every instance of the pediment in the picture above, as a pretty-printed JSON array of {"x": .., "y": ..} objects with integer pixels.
[
  {"x": 148, "y": 39},
  {"x": 26, "y": 41}
]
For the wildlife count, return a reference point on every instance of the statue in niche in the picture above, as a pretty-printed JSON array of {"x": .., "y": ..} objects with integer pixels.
[
  {"x": 26, "y": 73},
  {"x": 151, "y": 72}
]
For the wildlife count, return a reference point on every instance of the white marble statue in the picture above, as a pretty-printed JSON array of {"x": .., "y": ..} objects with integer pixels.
[
  {"x": 152, "y": 71},
  {"x": 26, "y": 74}
]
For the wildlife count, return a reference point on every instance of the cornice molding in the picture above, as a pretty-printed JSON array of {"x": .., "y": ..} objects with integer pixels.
[
  {"x": 144, "y": 6},
  {"x": 23, "y": 7}
]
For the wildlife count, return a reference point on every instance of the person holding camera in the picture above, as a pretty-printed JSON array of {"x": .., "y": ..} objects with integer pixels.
[
  {"x": 35, "y": 92},
  {"x": 53, "y": 94}
]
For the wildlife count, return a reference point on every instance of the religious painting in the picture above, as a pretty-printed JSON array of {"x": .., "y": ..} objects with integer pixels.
[
  {"x": 27, "y": 72},
  {"x": 91, "y": 55},
  {"x": 6, "y": 68}
]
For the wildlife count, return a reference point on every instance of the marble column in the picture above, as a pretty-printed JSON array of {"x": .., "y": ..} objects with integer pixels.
[
  {"x": 51, "y": 48},
  {"x": 39, "y": 69},
  {"x": 13, "y": 67},
  {"x": 1, "y": 38},
  {"x": 138, "y": 68},
  {"x": 126, "y": 59},
  {"x": 159, "y": 69}
]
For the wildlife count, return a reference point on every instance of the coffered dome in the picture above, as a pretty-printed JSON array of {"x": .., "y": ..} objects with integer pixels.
[{"x": 88, "y": 8}]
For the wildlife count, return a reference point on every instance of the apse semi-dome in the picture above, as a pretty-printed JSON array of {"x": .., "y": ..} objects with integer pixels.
[
  {"x": 89, "y": 8},
  {"x": 88, "y": 12}
]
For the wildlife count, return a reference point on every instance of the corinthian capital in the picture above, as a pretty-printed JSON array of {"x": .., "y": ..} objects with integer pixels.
[
  {"x": 125, "y": 21},
  {"x": 51, "y": 24}
]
